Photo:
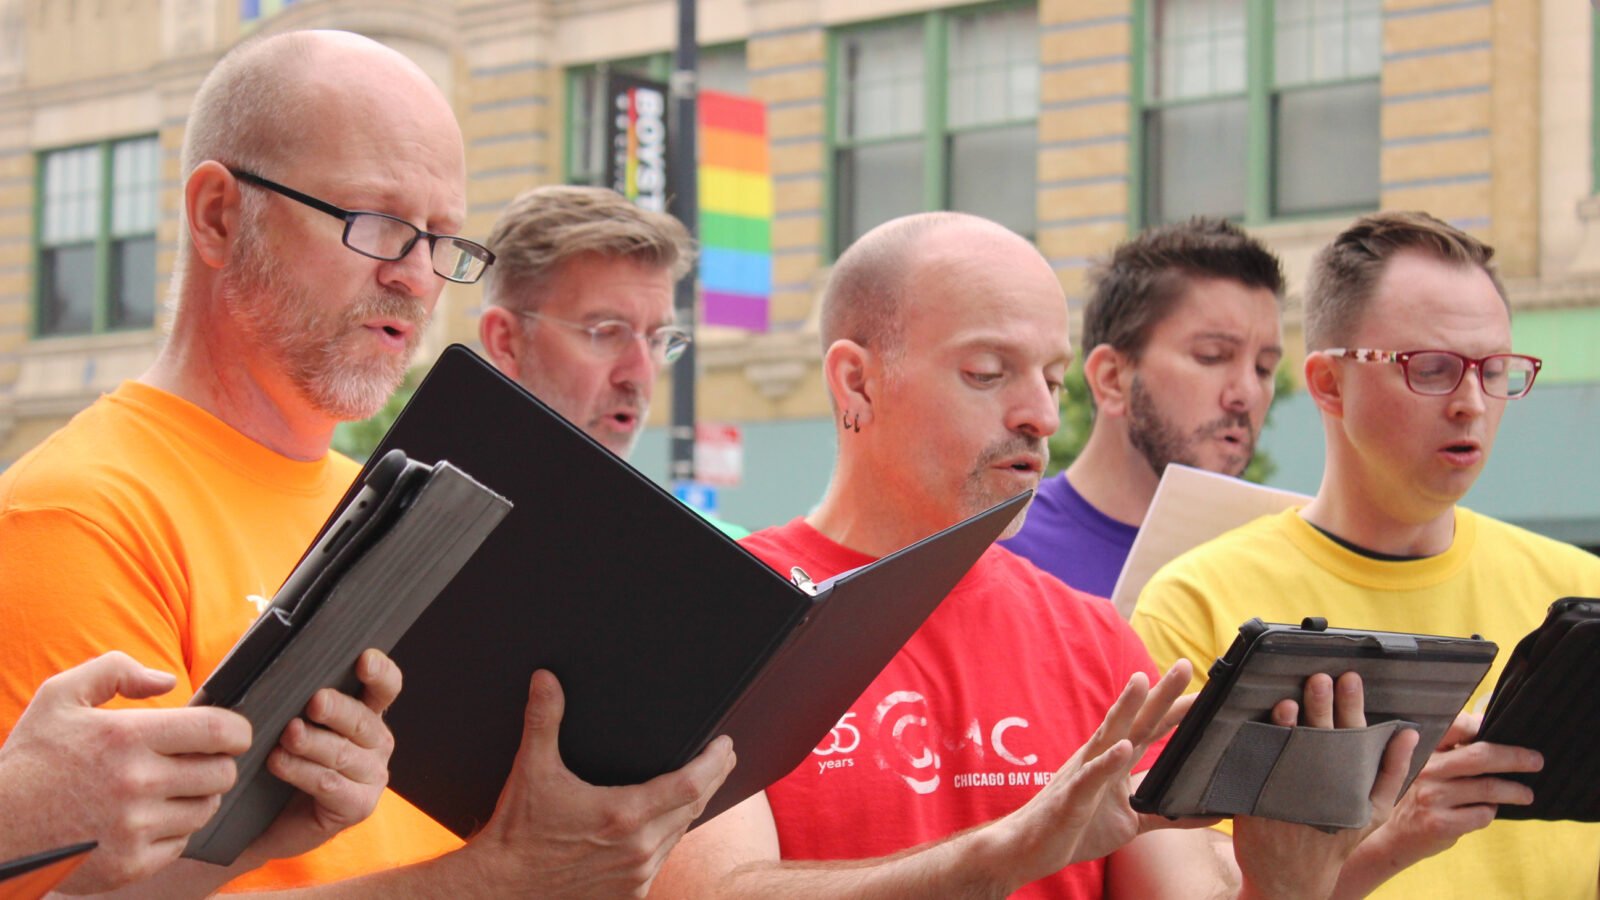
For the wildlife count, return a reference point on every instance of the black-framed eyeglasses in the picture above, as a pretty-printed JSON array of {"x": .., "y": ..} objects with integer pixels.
[
  {"x": 612, "y": 338},
  {"x": 1434, "y": 373},
  {"x": 382, "y": 236}
]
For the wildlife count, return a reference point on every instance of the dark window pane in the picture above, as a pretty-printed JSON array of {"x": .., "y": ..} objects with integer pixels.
[
  {"x": 992, "y": 174},
  {"x": 1195, "y": 161},
  {"x": 133, "y": 283},
  {"x": 1327, "y": 146},
  {"x": 873, "y": 184},
  {"x": 67, "y": 276}
]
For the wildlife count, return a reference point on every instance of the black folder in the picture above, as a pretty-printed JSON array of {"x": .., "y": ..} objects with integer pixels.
[
  {"x": 22, "y": 865},
  {"x": 663, "y": 632}
]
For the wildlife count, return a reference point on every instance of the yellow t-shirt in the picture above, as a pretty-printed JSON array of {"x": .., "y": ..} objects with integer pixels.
[
  {"x": 149, "y": 526},
  {"x": 1496, "y": 580}
]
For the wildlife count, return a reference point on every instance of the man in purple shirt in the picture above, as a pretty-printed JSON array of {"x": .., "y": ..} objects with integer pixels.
[{"x": 1184, "y": 340}]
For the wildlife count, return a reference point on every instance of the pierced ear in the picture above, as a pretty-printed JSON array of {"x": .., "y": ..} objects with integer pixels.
[
  {"x": 1324, "y": 385},
  {"x": 499, "y": 330},
  {"x": 211, "y": 212},
  {"x": 852, "y": 372},
  {"x": 1109, "y": 375}
]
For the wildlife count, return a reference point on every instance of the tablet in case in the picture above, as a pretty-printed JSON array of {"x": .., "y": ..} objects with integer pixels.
[
  {"x": 380, "y": 560},
  {"x": 1227, "y": 758},
  {"x": 663, "y": 632},
  {"x": 1545, "y": 700}
]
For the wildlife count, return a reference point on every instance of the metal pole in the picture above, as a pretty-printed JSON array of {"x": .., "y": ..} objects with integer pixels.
[{"x": 684, "y": 203}]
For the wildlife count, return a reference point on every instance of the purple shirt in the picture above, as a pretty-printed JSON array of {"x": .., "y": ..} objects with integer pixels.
[{"x": 1072, "y": 540}]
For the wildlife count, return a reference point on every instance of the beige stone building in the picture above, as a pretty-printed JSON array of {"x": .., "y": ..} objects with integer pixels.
[{"x": 1073, "y": 121}]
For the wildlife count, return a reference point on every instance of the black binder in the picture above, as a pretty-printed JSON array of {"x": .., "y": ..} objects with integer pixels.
[
  {"x": 1545, "y": 700},
  {"x": 663, "y": 632},
  {"x": 22, "y": 865}
]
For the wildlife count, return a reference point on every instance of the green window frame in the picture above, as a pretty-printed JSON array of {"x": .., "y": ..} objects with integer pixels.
[
  {"x": 96, "y": 209},
  {"x": 972, "y": 113},
  {"x": 1302, "y": 101},
  {"x": 722, "y": 68}
]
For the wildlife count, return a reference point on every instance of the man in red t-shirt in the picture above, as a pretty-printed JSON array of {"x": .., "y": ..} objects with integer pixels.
[{"x": 982, "y": 761}]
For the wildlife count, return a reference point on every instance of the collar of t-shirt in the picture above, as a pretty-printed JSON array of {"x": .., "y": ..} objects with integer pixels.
[{"x": 1362, "y": 551}]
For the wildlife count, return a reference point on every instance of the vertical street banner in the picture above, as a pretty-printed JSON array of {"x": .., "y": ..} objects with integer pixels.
[
  {"x": 636, "y": 140},
  {"x": 735, "y": 212}
]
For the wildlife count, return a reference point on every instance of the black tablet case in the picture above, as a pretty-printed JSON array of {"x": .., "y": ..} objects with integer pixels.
[
  {"x": 657, "y": 624},
  {"x": 1545, "y": 700},
  {"x": 22, "y": 865},
  {"x": 1226, "y": 758}
]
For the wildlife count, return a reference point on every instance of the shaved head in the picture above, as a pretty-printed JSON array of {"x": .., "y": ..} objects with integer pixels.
[{"x": 867, "y": 292}]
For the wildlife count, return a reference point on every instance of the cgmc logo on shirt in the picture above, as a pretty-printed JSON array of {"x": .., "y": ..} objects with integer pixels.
[{"x": 902, "y": 738}]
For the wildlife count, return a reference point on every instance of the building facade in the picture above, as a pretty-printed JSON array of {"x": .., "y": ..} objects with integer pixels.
[{"x": 1075, "y": 122}]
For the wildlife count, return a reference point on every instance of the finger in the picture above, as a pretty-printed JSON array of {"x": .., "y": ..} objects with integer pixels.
[
  {"x": 104, "y": 677},
  {"x": 541, "y": 722},
  {"x": 197, "y": 729},
  {"x": 1392, "y": 771},
  {"x": 690, "y": 787},
  {"x": 1349, "y": 702},
  {"x": 1180, "y": 710},
  {"x": 192, "y": 776},
  {"x": 1119, "y": 719},
  {"x": 328, "y": 750},
  {"x": 1085, "y": 787},
  {"x": 1317, "y": 711},
  {"x": 1153, "y": 712},
  {"x": 183, "y": 816},
  {"x": 1483, "y": 758},
  {"x": 1463, "y": 729},
  {"x": 337, "y": 798},
  {"x": 349, "y": 718},
  {"x": 381, "y": 677},
  {"x": 1285, "y": 713}
]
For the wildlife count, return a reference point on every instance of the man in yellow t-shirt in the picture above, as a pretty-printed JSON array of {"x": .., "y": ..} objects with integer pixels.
[
  {"x": 1410, "y": 364},
  {"x": 324, "y": 176}
]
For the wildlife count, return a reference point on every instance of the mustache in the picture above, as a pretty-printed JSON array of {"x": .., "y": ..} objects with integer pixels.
[
  {"x": 1016, "y": 445},
  {"x": 1231, "y": 420},
  {"x": 388, "y": 303}
]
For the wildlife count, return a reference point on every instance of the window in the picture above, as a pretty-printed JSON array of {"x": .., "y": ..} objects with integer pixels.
[
  {"x": 936, "y": 112},
  {"x": 1259, "y": 109},
  {"x": 719, "y": 68},
  {"x": 96, "y": 237}
]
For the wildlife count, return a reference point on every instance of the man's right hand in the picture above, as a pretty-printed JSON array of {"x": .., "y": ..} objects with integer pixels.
[
  {"x": 1456, "y": 793},
  {"x": 555, "y": 835},
  {"x": 139, "y": 781}
]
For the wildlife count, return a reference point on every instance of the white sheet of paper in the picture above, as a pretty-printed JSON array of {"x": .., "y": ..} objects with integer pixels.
[{"x": 1191, "y": 506}]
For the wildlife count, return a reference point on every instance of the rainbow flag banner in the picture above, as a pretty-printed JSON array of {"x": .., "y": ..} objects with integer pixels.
[{"x": 735, "y": 212}]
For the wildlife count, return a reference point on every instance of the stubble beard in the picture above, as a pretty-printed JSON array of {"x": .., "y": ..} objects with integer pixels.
[
  {"x": 976, "y": 496},
  {"x": 1159, "y": 442},
  {"x": 311, "y": 341}
]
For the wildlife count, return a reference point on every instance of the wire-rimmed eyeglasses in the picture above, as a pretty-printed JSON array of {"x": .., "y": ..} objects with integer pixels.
[
  {"x": 612, "y": 337},
  {"x": 1434, "y": 373},
  {"x": 382, "y": 236}
]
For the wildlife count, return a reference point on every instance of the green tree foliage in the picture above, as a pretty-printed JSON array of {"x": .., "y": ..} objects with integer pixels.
[{"x": 1077, "y": 418}]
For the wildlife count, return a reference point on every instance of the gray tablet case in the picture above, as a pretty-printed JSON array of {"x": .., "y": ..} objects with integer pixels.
[
  {"x": 383, "y": 557},
  {"x": 663, "y": 632},
  {"x": 1227, "y": 759},
  {"x": 1545, "y": 700}
]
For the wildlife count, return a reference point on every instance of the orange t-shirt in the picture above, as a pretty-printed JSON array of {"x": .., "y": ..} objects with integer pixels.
[{"x": 149, "y": 526}]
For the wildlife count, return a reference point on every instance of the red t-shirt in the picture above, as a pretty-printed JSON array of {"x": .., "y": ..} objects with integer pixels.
[{"x": 1007, "y": 678}]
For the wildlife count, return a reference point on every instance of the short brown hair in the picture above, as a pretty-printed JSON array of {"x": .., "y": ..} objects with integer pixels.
[
  {"x": 546, "y": 226},
  {"x": 1137, "y": 286},
  {"x": 1345, "y": 274}
]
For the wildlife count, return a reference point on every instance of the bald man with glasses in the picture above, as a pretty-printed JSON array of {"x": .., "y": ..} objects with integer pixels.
[{"x": 1410, "y": 363}]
